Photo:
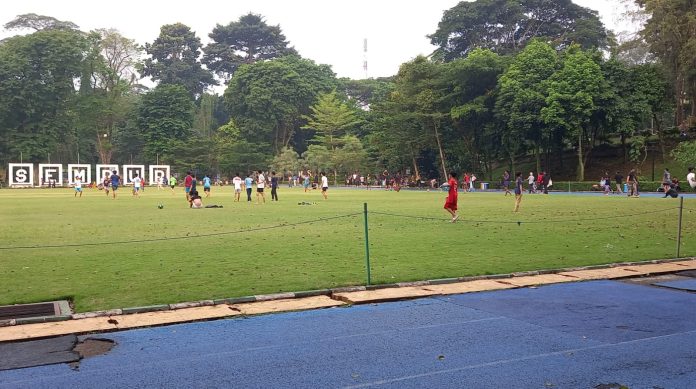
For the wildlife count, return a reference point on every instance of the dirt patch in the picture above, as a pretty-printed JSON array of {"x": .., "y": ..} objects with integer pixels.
[{"x": 91, "y": 347}]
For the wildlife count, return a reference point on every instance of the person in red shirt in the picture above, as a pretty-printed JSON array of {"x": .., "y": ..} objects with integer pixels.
[
  {"x": 467, "y": 180},
  {"x": 451, "y": 201},
  {"x": 187, "y": 184}
]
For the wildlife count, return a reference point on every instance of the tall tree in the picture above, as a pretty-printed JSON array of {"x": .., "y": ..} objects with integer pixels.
[
  {"x": 523, "y": 95},
  {"x": 107, "y": 89},
  {"x": 267, "y": 99},
  {"x": 245, "y": 41},
  {"x": 36, "y": 22},
  {"x": 37, "y": 91},
  {"x": 175, "y": 59},
  {"x": 165, "y": 115},
  {"x": 508, "y": 25},
  {"x": 330, "y": 118},
  {"x": 570, "y": 104},
  {"x": 670, "y": 30}
]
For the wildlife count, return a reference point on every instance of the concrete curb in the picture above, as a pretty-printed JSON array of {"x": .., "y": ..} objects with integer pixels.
[{"x": 334, "y": 293}]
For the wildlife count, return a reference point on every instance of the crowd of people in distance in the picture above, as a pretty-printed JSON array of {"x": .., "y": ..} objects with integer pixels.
[{"x": 670, "y": 185}]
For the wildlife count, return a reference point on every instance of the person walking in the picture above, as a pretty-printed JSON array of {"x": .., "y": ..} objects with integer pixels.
[
  {"x": 187, "y": 184},
  {"x": 324, "y": 185},
  {"x": 260, "y": 186},
  {"x": 618, "y": 179},
  {"x": 506, "y": 182},
  {"x": 451, "y": 200},
  {"x": 518, "y": 191},
  {"x": 530, "y": 181},
  {"x": 115, "y": 182},
  {"x": 632, "y": 181},
  {"x": 248, "y": 182},
  {"x": 237, "y": 182},
  {"x": 206, "y": 186}
]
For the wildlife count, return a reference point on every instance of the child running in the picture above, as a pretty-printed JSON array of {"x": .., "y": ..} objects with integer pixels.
[{"x": 451, "y": 201}]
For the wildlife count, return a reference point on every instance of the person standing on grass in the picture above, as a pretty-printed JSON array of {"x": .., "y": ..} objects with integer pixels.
[
  {"x": 260, "y": 186},
  {"x": 115, "y": 182},
  {"x": 451, "y": 200},
  {"x": 506, "y": 183},
  {"x": 324, "y": 185},
  {"x": 274, "y": 186},
  {"x": 187, "y": 185},
  {"x": 248, "y": 182},
  {"x": 78, "y": 186},
  {"x": 206, "y": 185},
  {"x": 618, "y": 179},
  {"x": 518, "y": 190},
  {"x": 237, "y": 182},
  {"x": 467, "y": 180},
  {"x": 632, "y": 181},
  {"x": 691, "y": 178},
  {"x": 530, "y": 181},
  {"x": 136, "y": 185}
]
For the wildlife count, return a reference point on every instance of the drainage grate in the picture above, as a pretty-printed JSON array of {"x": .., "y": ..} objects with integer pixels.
[{"x": 22, "y": 311}]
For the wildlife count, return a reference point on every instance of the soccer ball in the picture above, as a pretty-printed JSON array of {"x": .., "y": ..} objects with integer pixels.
[{"x": 160, "y": 206}]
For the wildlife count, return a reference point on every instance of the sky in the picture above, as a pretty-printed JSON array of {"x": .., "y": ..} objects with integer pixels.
[{"x": 328, "y": 32}]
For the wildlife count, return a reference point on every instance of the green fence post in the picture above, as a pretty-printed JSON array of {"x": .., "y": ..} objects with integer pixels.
[
  {"x": 367, "y": 245},
  {"x": 679, "y": 228}
]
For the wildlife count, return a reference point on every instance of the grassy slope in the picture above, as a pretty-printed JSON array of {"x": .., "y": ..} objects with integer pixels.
[{"x": 308, "y": 256}]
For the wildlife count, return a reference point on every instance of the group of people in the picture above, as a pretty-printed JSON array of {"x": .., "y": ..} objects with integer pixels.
[{"x": 451, "y": 202}]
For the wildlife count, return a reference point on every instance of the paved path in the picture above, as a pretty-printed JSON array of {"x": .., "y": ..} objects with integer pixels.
[{"x": 577, "y": 335}]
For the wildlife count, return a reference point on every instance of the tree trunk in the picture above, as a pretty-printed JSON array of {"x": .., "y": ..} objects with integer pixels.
[
  {"x": 442, "y": 153},
  {"x": 581, "y": 161},
  {"x": 537, "y": 157},
  {"x": 415, "y": 167}
]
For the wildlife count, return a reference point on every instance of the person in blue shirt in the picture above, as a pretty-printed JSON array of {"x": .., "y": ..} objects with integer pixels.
[
  {"x": 248, "y": 181},
  {"x": 206, "y": 185},
  {"x": 115, "y": 182}
]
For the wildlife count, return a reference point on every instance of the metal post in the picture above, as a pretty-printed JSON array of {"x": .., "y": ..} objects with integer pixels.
[
  {"x": 367, "y": 245},
  {"x": 679, "y": 231}
]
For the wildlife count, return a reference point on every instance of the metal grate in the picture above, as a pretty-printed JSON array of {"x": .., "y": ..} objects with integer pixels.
[{"x": 28, "y": 310}]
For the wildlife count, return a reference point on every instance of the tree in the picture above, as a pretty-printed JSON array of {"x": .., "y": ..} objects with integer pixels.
[
  {"x": 174, "y": 59},
  {"x": 165, "y": 115},
  {"x": 39, "y": 22},
  {"x": 287, "y": 161},
  {"x": 245, "y": 41},
  {"x": 506, "y": 26},
  {"x": 685, "y": 153},
  {"x": 523, "y": 93},
  {"x": 107, "y": 89},
  {"x": 669, "y": 31},
  {"x": 330, "y": 118},
  {"x": 236, "y": 154},
  {"x": 571, "y": 100},
  {"x": 37, "y": 91},
  {"x": 267, "y": 99}
]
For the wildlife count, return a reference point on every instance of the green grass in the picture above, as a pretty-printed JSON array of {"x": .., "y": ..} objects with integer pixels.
[{"x": 316, "y": 255}]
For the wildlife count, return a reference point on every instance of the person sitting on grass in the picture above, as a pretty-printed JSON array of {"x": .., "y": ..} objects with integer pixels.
[{"x": 195, "y": 200}]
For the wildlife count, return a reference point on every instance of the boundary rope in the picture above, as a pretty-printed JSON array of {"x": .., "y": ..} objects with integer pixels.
[
  {"x": 179, "y": 237},
  {"x": 522, "y": 221}
]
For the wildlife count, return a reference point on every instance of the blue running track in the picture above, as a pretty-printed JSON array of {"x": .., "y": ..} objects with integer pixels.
[{"x": 579, "y": 335}]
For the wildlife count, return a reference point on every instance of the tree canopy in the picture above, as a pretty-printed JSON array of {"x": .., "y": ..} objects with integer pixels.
[{"x": 506, "y": 26}]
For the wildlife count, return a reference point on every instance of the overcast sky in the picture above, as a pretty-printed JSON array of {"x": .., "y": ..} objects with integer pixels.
[{"x": 328, "y": 32}]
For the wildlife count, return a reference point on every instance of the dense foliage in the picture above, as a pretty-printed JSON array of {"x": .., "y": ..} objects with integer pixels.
[{"x": 514, "y": 84}]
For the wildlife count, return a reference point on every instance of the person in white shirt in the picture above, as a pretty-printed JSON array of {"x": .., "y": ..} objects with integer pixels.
[
  {"x": 691, "y": 178},
  {"x": 136, "y": 185},
  {"x": 530, "y": 181},
  {"x": 260, "y": 185},
  {"x": 78, "y": 185},
  {"x": 324, "y": 185},
  {"x": 237, "y": 182}
]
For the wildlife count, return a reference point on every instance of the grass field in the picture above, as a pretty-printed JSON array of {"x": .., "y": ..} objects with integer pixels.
[{"x": 269, "y": 248}]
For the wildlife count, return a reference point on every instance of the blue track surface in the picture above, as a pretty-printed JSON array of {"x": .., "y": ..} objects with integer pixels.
[
  {"x": 561, "y": 336},
  {"x": 681, "y": 284}
]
